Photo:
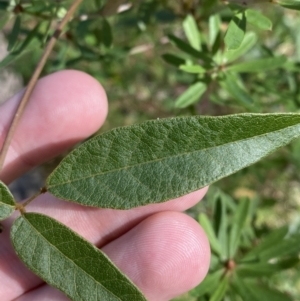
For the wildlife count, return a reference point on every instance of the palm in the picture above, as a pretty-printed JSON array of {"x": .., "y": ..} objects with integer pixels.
[{"x": 161, "y": 249}]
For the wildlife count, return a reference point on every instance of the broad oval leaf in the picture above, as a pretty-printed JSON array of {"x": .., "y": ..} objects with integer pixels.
[
  {"x": 291, "y": 4},
  {"x": 191, "y": 95},
  {"x": 7, "y": 202},
  {"x": 158, "y": 160},
  {"x": 236, "y": 31},
  {"x": 258, "y": 19},
  {"x": 68, "y": 262}
]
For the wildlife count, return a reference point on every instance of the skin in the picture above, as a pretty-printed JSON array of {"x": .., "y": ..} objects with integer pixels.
[{"x": 163, "y": 251}]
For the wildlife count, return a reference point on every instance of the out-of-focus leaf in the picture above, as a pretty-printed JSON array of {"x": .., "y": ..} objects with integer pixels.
[
  {"x": 262, "y": 269},
  {"x": 191, "y": 31},
  {"x": 260, "y": 65},
  {"x": 209, "y": 230},
  {"x": 7, "y": 202},
  {"x": 267, "y": 243},
  {"x": 106, "y": 32},
  {"x": 263, "y": 292},
  {"x": 242, "y": 289},
  {"x": 173, "y": 59},
  {"x": 220, "y": 292},
  {"x": 4, "y": 5},
  {"x": 236, "y": 31},
  {"x": 291, "y": 4},
  {"x": 238, "y": 223},
  {"x": 192, "y": 69},
  {"x": 13, "y": 36},
  {"x": 186, "y": 48},
  {"x": 249, "y": 41},
  {"x": 158, "y": 160},
  {"x": 221, "y": 226},
  {"x": 214, "y": 28},
  {"x": 209, "y": 284},
  {"x": 258, "y": 19},
  {"x": 233, "y": 85},
  {"x": 191, "y": 95},
  {"x": 68, "y": 262}
]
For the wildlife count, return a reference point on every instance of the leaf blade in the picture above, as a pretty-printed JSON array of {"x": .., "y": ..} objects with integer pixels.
[
  {"x": 7, "y": 202},
  {"x": 75, "y": 263},
  {"x": 164, "y": 159}
]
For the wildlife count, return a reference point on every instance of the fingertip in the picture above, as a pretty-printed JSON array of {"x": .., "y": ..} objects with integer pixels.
[{"x": 165, "y": 255}]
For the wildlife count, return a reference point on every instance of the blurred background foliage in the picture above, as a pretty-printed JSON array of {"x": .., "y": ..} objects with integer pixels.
[{"x": 165, "y": 58}]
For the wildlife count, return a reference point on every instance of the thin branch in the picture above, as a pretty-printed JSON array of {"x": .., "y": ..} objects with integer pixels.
[{"x": 34, "y": 79}]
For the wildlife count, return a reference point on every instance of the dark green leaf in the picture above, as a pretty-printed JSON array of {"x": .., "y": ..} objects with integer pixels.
[
  {"x": 260, "y": 65},
  {"x": 68, "y": 262},
  {"x": 262, "y": 269},
  {"x": 236, "y": 31},
  {"x": 258, "y": 19},
  {"x": 209, "y": 230},
  {"x": 249, "y": 41},
  {"x": 267, "y": 243},
  {"x": 7, "y": 202},
  {"x": 209, "y": 284},
  {"x": 192, "y": 95},
  {"x": 186, "y": 48},
  {"x": 242, "y": 289},
  {"x": 162, "y": 159},
  {"x": 3, "y": 20},
  {"x": 13, "y": 36},
  {"x": 263, "y": 292},
  {"x": 291, "y": 4},
  {"x": 192, "y": 33},
  {"x": 173, "y": 59},
  {"x": 237, "y": 226},
  {"x": 107, "y": 36}
]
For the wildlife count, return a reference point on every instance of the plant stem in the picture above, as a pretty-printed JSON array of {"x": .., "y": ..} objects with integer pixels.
[{"x": 33, "y": 81}]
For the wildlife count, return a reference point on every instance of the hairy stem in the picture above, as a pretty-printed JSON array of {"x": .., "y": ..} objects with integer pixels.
[{"x": 33, "y": 80}]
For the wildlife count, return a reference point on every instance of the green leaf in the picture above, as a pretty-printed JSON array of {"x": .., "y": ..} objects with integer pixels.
[
  {"x": 248, "y": 43},
  {"x": 267, "y": 243},
  {"x": 258, "y": 19},
  {"x": 7, "y": 202},
  {"x": 209, "y": 230},
  {"x": 214, "y": 28},
  {"x": 191, "y": 95},
  {"x": 191, "y": 31},
  {"x": 259, "y": 65},
  {"x": 186, "y": 48},
  {"x": 220, "y": 292},
  {"x": 192, "y": 69},
  {"x": 209, "y": 284},
  {"x": 106, "y": 32},
  {"x": 111, "y": 8},
  {"x": 3, "y": 20},
  {"x": 68, "y": 262},
  {"x": 221, "y": 226},
  {"x": 237, "y": 226},
  {"x": 235, "y": 32},
  {"x": 158, "y": 160},
  {"x": 13, "y": 37},
  {"x": 173, "y": 59},
  {"x": 263, "y": 292},
  {"x": 242, "y": 289},
  {"x": 291, "y": 4},
  {"x": 234, "y": 86},
  {"x": 262, "y": 269}
]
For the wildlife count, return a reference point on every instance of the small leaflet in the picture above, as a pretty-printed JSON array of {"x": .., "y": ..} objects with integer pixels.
[{"x": 7, "y": 202}]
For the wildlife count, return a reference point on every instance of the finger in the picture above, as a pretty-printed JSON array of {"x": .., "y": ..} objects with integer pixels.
[
  {"x": 64, "y": 108},
  {"x": 99, "y": 226},
  {"x": 165, "y": 255}
]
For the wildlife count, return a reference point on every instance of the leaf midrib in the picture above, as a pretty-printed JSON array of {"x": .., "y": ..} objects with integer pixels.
[{"x": 166, "y": 157}]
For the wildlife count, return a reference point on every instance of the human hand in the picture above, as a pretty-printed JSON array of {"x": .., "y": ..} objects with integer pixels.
[{"x": 163, "y": 251}]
